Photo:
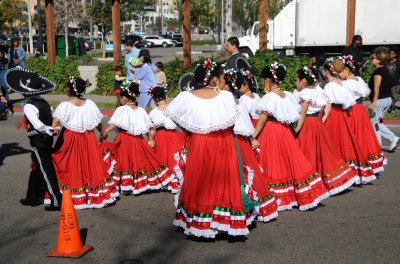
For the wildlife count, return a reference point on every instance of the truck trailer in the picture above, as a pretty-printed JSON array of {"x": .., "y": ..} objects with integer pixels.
[{"x": 306, "y": 25}]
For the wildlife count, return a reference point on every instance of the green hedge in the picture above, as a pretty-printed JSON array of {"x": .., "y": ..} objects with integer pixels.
[
  {"x": 174, "y": 70},
  {"x": 204, "y": 42},
  {"x": 58, "y": 73}
]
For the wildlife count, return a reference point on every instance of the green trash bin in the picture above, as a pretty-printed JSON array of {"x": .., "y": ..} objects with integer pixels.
[
  {"x": 76, "y": 47},
  {"x": 60, "y": 46}
]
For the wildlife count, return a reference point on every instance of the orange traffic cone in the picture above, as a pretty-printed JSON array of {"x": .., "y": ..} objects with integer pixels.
[{"x": 69, "y": 242}]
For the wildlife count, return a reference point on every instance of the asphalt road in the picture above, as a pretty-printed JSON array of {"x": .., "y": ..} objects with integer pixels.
[{"x": 359, "y": 226}]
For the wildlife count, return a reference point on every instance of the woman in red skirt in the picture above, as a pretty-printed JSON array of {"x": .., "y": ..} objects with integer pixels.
[
  {"x": 359, "y": 118},
  {"x": 292, "y": 178},
  {"x": 213, "y": 195},
  {"x": 77, "y": 158},
  {"x": 169, "y": 141},
  {"x": 243, "y": 130},
  {"x": 312, "y": 138},
  {"x": 138, "y": 169},
  {"x": 339, "y": 125}
]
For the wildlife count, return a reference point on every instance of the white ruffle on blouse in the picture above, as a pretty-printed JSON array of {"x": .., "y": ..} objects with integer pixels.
[
  {"x": 160, "y": 120},
  {"x": 250, "y": 105},
  {"x": 135, "y": 121},
  {"x": 339, "y": 94},
  {"x": 203, "y": 116},
  {"x": 314, "y": 98},
  {"x": 285, "y": 110},
  {"x": 358, "y": 88},
  {"x": 78, "y": 118},
  {"x": 243, "y": 125}
]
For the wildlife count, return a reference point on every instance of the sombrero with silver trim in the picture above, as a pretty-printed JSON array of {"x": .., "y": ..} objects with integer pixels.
[
  {"x": 28, "y": 82},
  {"x": 187, "y": 82},
  {"x": 242, "y": 65}
]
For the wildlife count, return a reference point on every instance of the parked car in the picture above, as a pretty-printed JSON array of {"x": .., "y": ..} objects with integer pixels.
[
  {"x": 160, "y": 41},
  {"x": 88, "y": 43},
  {"x": 177, "y": 37}
]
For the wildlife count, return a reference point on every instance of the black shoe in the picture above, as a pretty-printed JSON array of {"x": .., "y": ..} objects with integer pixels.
[
  {"x": 25, "y": 202},
  {"x": 52, "y": 208}
]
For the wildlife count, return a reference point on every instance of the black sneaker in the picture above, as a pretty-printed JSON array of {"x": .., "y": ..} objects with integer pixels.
[
  {"x": 52, "y": 208},
  {"x": 25, "y": 202}
]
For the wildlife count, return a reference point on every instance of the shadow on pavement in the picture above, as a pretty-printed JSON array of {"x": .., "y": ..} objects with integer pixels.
[{"x": 11, "y": 149}]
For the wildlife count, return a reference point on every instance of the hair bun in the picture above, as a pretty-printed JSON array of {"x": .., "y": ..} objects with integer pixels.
[
  {"x": 281, "y": 73},
  {"x": 199, "y": 73},
  {"x": 338, "y": 66}
]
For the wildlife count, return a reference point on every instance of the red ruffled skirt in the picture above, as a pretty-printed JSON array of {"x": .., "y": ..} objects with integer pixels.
[
  {"x": 366, "y": 137},
  {"x": 80, "y": 168},
  {"x": 339, "y": 128},
  {"x": 138, "y": 169},
  {"x": 317, "y": 146},
  {"x": 210, "y": 198},
  {"x": 292, "y": 178},
  {"x": 256, "y": 185},
  {"x": 168, "y": 145}
]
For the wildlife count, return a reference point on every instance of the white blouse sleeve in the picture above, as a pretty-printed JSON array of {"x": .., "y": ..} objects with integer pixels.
[
  {"x": 203, "y": 116},
  {"x": 243, "y": 125},
  {"x": 133, "y": 121},
  {"x": 78, "y": 118}
]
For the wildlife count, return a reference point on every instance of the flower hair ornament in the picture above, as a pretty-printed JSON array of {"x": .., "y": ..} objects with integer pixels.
[
  {"x": 72, "y": 80},
  {"x": 231, "y": 77},
  {"x": 308, "y": 71},
  {"x": 125, "y": 87},
  {"x": 248, "y": 75},
  {"x": 273, "y": 67},
  {"x": 163, "y": 85},
  {"x": 209, "y": 66},
  {"x": 348, "y": 61},
  {"x": 330, "y": 61}
]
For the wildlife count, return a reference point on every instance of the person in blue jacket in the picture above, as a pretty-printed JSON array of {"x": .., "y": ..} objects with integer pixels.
[{"x": 144, "y": 73}]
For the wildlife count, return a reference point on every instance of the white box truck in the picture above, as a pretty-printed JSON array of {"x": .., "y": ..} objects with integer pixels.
[{"x": 306, "y": 25}]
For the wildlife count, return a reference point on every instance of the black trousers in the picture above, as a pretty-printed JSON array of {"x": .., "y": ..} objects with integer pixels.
[{"x": 43, "y": 177}]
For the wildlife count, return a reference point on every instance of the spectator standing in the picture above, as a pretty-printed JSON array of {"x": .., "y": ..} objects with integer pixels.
[
  {"x": 132, "y": 52},
  {"x": 3, "y": 63},
  {"x": 380, "y": 84},
  {"x": 317, "y": 59},
  {"x": 394, "y": 69},
  {"x": 355, "y": 50},
  {"x": 118, "y": 79},
  {"x": 16, "y": 55},
  {"x": 160, "y": 74},
  {"x": 146, "y": 76}
]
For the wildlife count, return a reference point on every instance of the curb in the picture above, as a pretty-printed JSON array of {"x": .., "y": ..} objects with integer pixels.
[{"x": 109, "y": 113}]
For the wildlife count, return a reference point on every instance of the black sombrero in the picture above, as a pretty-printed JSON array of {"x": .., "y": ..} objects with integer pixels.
[
  {"x": 27, "y": 82},
  {"x": 188, "y": 82},
  {"x": 243, "y": 65}
]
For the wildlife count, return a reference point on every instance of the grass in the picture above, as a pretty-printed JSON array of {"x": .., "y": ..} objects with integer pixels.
[{"x": 392, "y": 115}]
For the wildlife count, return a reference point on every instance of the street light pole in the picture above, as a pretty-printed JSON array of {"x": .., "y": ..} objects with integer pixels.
[
  {"x": 162, "y": 17},
  {"x": 30, "y": 27},
  {"x": 39, "y": 15}
]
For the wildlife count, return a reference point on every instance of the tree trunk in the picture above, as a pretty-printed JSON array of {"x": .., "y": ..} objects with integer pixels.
[
  {"x": 351, "y": 16},
  {"x": 263, "y": 17},
  {"x": 187, "y": 53},
  {"x": 50, "y": 34},
  {"x": 116, "y": 28},
  {"x": 66, "y": 29}
]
